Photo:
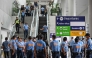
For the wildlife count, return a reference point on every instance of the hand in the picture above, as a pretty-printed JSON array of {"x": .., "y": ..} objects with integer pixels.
[
  {"x": 13, "y": 53},
  {"x": 64, "y": 53}
]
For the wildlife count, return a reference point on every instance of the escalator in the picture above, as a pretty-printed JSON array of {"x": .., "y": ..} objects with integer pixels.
[
  {"x": 27, "y": 20},
  {"x": 42, "y": 21}
]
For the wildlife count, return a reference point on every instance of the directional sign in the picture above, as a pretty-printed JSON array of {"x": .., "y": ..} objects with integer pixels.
[{"x": 70, "y": 25}]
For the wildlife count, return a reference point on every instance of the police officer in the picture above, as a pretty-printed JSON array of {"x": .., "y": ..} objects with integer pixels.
[
  {"x": 44, "y": 31},
  {"x": 40, "y": 48},
  {"x": 70, "y": 45},
  {"x": 17, "y": 23},
  {"x": 20, "y": 48},
  {"x": 76, "y": 49},
  {"x": 6, "y": 48},
  {"x": 55, "y": 47},
  {"x": 26, "y": 28},
  {"x": 88, "y": 46},
  {"x": 14, "y": 47},
  {"x": 82, "y": 46},
  {"x": 30, "y": 48},
  {"x": 64, "y": 48}
]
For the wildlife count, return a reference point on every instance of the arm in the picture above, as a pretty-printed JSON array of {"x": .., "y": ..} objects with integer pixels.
[
  {"x": 45, "y": 52},
  {"x": 42, "y": 29}
]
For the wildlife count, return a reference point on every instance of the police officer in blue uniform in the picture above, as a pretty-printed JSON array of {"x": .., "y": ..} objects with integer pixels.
[
  {"x": 30, "y": 48},
  {"x": 14, "y": 47},
  {"x": 76, "y": 49},
  {"x": 6, "y": 48},
  {"x": 55, "y": 47},
  {"x": 82, "y": 46},
  {"x": 88, "y": 46},
  {"x": 64, "y": 48},
  {"x": 20, "y": 49},
  {"x": 40, "y": 48},
  {"x": 70, "y": 45}
]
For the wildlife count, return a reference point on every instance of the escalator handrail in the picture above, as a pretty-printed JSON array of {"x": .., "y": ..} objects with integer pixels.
[
  {"x": 37, "y": 23},
  {"x": 31, "y": 30}
]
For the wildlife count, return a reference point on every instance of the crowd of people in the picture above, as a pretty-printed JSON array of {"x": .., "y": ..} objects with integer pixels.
[{"x": 33, "y": 48}]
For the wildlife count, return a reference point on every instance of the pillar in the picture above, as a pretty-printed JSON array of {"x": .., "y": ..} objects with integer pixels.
[
  {"x": 0, "y": 39},
  {"x": 63, "y": 6},
  {"x": 90, "y": 16},
  {"x": 71, "y": 7},
  {"x": 71, "y": 12}
]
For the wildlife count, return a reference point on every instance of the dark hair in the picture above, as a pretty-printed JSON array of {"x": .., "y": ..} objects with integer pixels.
[
  {"x": 29, "y": 37},
  {"x": 34, "y": 37},
  {"x": 76, "y": 40},
  {"x": 6, "y": 38},
  {"x": 14, "y": 37},
  {"x": 40, "y": 36},
  {"x": 87, "y": 34},
  {"x": 65, "y": 39},
  {"x": 53, "y": 36}
]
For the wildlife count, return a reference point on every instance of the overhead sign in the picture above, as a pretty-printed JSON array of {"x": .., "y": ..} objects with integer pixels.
[{"x": 70, "y": 25}]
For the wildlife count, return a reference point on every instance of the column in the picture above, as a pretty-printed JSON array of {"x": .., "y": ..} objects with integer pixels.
[
  {"x": 71, "y": 7},
  {"x": 63, "y": 6},
  {"x": 0, "y": 39},
  {"x": 90, "y": 16}
]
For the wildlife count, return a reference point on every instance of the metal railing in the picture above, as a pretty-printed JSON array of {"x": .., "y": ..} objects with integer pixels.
[
  {"x": 37, "y": 24},
  {"x": 34, "y": 24}
]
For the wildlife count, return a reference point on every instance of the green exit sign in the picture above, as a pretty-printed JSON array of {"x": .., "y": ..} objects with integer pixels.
[{"x": 62, "y": 30}]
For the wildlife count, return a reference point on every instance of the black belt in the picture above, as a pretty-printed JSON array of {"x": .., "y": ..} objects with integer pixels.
[
  {"x": 30, "y": 50},
  {"x": 55, "y": 51},
  {"x": 40, "y": 51},
  {"x": 76, "y": 53}
]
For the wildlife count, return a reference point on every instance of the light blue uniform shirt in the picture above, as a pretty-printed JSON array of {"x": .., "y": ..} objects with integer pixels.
[
  {"x": 30, "y": 45},
  {"x": 65, "y": 46},
  {"x": 89, "y": 43},
  {"x": 42, "y": 9},
  {"x": 27, "y": 7},
  {"x": 72, "y": 42},
  {"x": 6, "y": 46},
  {"x": 14, "y": 44},
  {"x": 20, "y": 44},
  {"x": 45, "y": 28},
  {"x": 55, "y": 45},
  {"x": 26, "y": 27},
  {"x": 40, "y": 45},
  {"x": 23, "y": 13},
  {"x": 76, "y": 50}
]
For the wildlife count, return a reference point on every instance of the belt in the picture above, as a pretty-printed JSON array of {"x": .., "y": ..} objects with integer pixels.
[
  {"x": 40, "y": 51},
  {"x": 55, "y": 51},
  {"x": 30, "y": 50},
  {"x": 76, "y": 53}
]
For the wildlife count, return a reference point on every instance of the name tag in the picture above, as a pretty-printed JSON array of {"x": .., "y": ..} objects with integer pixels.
[
  {"x": 55, "y": 44},
  {"x": 30, "y": 45},
  {"x": 38, "y": 44}
]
